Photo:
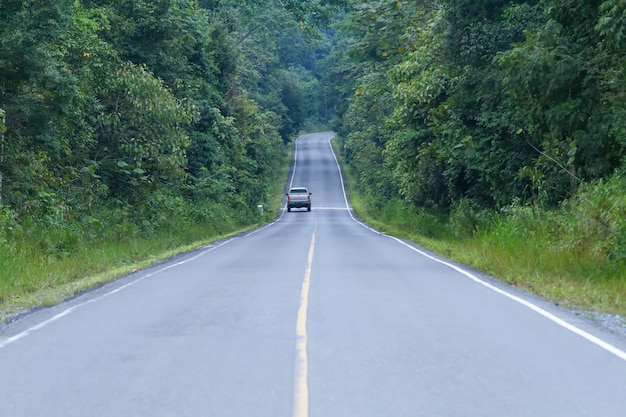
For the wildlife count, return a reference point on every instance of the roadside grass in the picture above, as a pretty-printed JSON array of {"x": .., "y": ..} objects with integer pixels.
[
  {"x": 32, "y": 276},
  {"x": 573, "y": 255},
  {"x": 43, "y": 266}
]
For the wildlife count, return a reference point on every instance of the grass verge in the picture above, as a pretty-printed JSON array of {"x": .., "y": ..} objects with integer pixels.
[
  {"x": 574, "y": 255},
  {"x": 32, "y": 277},
  {"x": 45, "y": 265}
]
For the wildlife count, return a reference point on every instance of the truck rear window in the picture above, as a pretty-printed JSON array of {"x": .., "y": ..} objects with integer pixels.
[{"x": 298, "y": 191}]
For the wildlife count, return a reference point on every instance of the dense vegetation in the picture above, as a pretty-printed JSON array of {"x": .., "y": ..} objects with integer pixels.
[
  {"x": 498, "y": 126},
  {"x": 142, "y": 121},
  {"x": 490, "y": 101}
]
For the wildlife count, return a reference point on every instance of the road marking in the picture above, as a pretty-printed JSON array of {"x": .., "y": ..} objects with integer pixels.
[
  {"x": 589, "y": 337},
  {"x": 301, "y": 376},
  {"x": 557, "y": 320},
  {"x": 6, "y": 342}
]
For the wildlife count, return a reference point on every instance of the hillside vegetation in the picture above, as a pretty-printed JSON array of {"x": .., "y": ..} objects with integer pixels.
[
  {"x": 131, "y": 128},
  {"x": 494, "y": 131}
]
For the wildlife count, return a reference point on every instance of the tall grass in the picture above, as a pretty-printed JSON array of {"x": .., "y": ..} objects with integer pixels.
[
  {"x": 573, "y": 255},
  {"x": 46, "y": 259},
  {"x": 46, "y": 263}
]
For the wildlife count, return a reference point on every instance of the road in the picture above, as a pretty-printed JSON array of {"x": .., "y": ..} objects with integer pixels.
[{"x": 313, "y": 315}]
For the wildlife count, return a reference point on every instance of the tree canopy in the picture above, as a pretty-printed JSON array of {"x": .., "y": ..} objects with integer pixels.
[
  {"x": 488, "y": 101},
  {"x": 115, "y": 103}
]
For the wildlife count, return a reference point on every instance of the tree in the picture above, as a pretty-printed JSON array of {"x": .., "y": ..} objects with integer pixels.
[
  {"x": 491, "y": 100},
  {"x": 135, "y": 101},
  {"x": 44, "y": 93},
  {"x": 556, "y": 83},
  {"x": 142, "y": 141}
]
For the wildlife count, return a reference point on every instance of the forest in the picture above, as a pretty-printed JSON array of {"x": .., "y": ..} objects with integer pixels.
[
  {"x": 493, "y": 131},
  {"x": 489, "y": 101},
  {"x": 169, "y": 119},
  {"x": 130, "y": 127},
  {"x": 122, "y": 103}
]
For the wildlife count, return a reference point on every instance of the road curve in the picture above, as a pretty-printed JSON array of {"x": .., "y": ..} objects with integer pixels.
[{"x": 313, "y": 315}]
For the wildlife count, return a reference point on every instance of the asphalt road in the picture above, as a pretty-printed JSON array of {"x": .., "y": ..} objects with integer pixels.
[{"x": 314, "y": 315}]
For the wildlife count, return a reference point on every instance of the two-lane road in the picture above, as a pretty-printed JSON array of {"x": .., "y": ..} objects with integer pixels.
[{"x": 314, "y": 315}]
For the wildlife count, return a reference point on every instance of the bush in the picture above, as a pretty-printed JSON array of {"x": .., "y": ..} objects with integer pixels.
[
  {"x": 595, "y": 220},
  {"x": 466, "y": 219}
]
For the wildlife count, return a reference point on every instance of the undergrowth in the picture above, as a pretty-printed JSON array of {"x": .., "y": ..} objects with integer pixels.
[
  {"x": 573, "y": 255},
  {"x": 46, "y": 259},
  {"x": 45, "y": 263}
]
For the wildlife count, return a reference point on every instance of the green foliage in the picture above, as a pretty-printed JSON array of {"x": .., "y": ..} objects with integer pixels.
[
  {"x": 487, "y": 101},
  {"x": 612, "y": 24},
  {"x": 140, "y": 132},
  {"x": 129, "y": 119},
  {"x": 122, "y": 99},
  {"x": 364, "y": 143},
  {"x": 595, "y": 223},
  {"x": 572, "y": 255},
  {"x": 492, "y": 131}
]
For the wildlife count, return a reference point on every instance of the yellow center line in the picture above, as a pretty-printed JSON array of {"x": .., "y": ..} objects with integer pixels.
[{"x": 301, "y": 378}]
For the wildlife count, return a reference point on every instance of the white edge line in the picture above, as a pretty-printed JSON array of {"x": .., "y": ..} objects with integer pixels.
[
  {"x": 343, "y": 189},
  {"x": 69, "y": 310},
  {"x": 588, "y": 336},
  {"x": 591, "y": 338},
  {"x": 64, "y": 313}
]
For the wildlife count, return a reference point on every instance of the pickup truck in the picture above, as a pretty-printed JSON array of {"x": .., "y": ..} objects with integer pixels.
[{"x": 298, "y": 197}]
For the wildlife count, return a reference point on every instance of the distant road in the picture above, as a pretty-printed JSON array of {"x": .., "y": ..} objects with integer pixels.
[{"x": 313, "y": 315}]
